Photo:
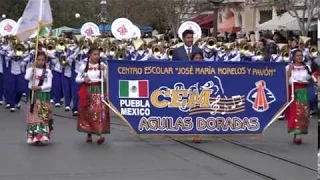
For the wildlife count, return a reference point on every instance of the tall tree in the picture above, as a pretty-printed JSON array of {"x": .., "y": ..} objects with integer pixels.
[
  {"x": 305, "y": 11},
  {"x": 174, "y": 11}
]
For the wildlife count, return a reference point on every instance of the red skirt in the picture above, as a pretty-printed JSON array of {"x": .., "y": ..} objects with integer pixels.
[
  {"x": 297, "y": 114},
  {"x": 94, "y": 115}
]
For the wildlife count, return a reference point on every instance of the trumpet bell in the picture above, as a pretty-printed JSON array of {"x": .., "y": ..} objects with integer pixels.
[
  {"x": 170, "y": 53},
  {"x": 112, "y": 49},
  {"x": 19, "y": 50},
  {"x": 121, "y": 55},
  {"x": 314, "y": 51},
  {"x": 61, "y": 45},
  {"x": 157, "y": 50},
  {"x": 211, "y": 43},
  {"x": 63, "y": 61},
  {"x": 304, "y": 41}
]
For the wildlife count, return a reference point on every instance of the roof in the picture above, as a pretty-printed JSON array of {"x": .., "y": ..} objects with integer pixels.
[{"x": 285, "y": 21}]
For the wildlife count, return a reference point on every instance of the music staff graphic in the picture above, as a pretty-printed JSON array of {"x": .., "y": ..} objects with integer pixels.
[{"x": 223, "y": 106}]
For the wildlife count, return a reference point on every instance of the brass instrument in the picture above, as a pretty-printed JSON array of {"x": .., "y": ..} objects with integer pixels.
[
  {"x": 62, "y": 47},
  {"x": 159, "y": 37},
  {"x": 98, "y": 41},
  {"x": 84, "y": 43},
  {"x": 170, "y": 53},
  {"x": 304, "y": 41},
  {"x": 139, "y": 44},
  {"x": 223, "y": 48},
  {"x": 122, "y": 47},
  {"x": 19, "y": 50},
  {"x": 121, "y": 55},
  {"x": 157, "y": 50},
  {"x": 240, "y": 43},
  {"x": 313, "y": 50},
  {"x": 112, "y": 49},
  {"x": 259, "y": 54},
  {"x": 229, "y": 46},
  {"x": 61, "y": 44},
  {"x": 148, "y": 42},
  {"x": 102, "y": 48},
  {"x": 211, "y": 43},
  {"x": 284, "y": 51},
  {"x": 50, "y": 46},
  {"x": 14, "y": 40},
  {"x": 245, "y": 48}
]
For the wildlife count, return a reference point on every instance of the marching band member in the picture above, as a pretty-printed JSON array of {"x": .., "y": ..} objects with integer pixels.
[
  {"x": 6, "y": 72},
  {"x": 57, "y": 76},
  {"x": 209, "y": 54},
  {"x": 297, "y": 114},
  {"x": 2, "y": 64},
  {"x": 16, "y": 58},
  {"x": 94, "y": 117},
  {"x": 39, "y": 114},
  {"x": 66, "y": 81},
  {"x": 221, "y": 54},
  {"x": 74, "y": 56}
]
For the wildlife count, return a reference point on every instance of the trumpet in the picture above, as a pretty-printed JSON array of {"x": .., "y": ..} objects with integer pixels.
[
  {"x": 259, "y": 54},
  {"x": 112, "y": 49},
  {"x": 51, "y": 47},
  {"x": 229, "y": 46},
  {"x": 313, "y": 51},
  {"x": 170, "y": 53},
  {"x": 19, "y": 50},
  {"x": 211, "y": 43},
  {"x": 63, "y": 61},
  {"x": 61, "y": 45},
  {"x": 245, "y": 48},
  {"x": 121, "y": 55},
  {"x": 157, "y": 50},
  {"x": 304, "y": 41}
]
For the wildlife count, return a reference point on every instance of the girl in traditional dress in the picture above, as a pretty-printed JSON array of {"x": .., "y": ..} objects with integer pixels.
[
  {"x": 297, "y": 113},
  {"x": 39, "y": 124},
  {"x": 94, "y": 115}
]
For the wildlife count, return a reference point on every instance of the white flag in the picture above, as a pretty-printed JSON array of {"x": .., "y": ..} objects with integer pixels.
[{"x": 35, "y": 11}]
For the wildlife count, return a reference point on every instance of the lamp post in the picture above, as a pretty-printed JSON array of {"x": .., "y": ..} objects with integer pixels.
[
  {"x": 103, "y": 15},
  {"x": 215, "y": 7}
]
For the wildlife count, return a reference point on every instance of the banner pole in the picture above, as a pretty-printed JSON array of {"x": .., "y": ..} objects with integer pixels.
[
  {"x": 35, "y": 62},
  {"x": 102, "y": 95},
  {"x": 291, "y": 101}
]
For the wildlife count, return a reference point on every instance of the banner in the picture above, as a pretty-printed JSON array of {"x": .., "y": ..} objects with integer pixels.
[{"x": 197, "y": 98}]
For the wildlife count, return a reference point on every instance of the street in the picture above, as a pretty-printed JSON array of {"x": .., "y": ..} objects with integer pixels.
[{"x": 127, "y": 157}]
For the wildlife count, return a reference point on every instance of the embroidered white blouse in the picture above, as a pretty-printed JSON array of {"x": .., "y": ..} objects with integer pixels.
[
  {"x": 299, "y": 73},
  {"x": 93, "y": 73},
  {"x": 47, "y": 83}
]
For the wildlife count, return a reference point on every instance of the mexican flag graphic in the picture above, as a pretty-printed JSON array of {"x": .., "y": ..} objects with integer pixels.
[{"x": 133, "y": 88}]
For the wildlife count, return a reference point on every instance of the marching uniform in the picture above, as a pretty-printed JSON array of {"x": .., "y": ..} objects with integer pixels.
[
  {"x": 246, "y": 57},
  {"x": 2, "y": 64},
  {"x": 67, "y": 83},
  {"x": 57, "y": 77},
  {"x": 77, "y": 58},
  {"x": 16, "y": 82},
  {"x": 209, "y": 54}
]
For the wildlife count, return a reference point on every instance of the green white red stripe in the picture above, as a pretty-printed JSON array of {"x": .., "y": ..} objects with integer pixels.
[{"x": 133, "y": 88}]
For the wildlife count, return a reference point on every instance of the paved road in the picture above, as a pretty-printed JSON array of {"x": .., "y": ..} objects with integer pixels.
[{"x": 126, "y": 157}]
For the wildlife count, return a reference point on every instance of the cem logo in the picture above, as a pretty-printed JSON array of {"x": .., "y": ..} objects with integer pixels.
[{"x": 261, "y": 97}]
